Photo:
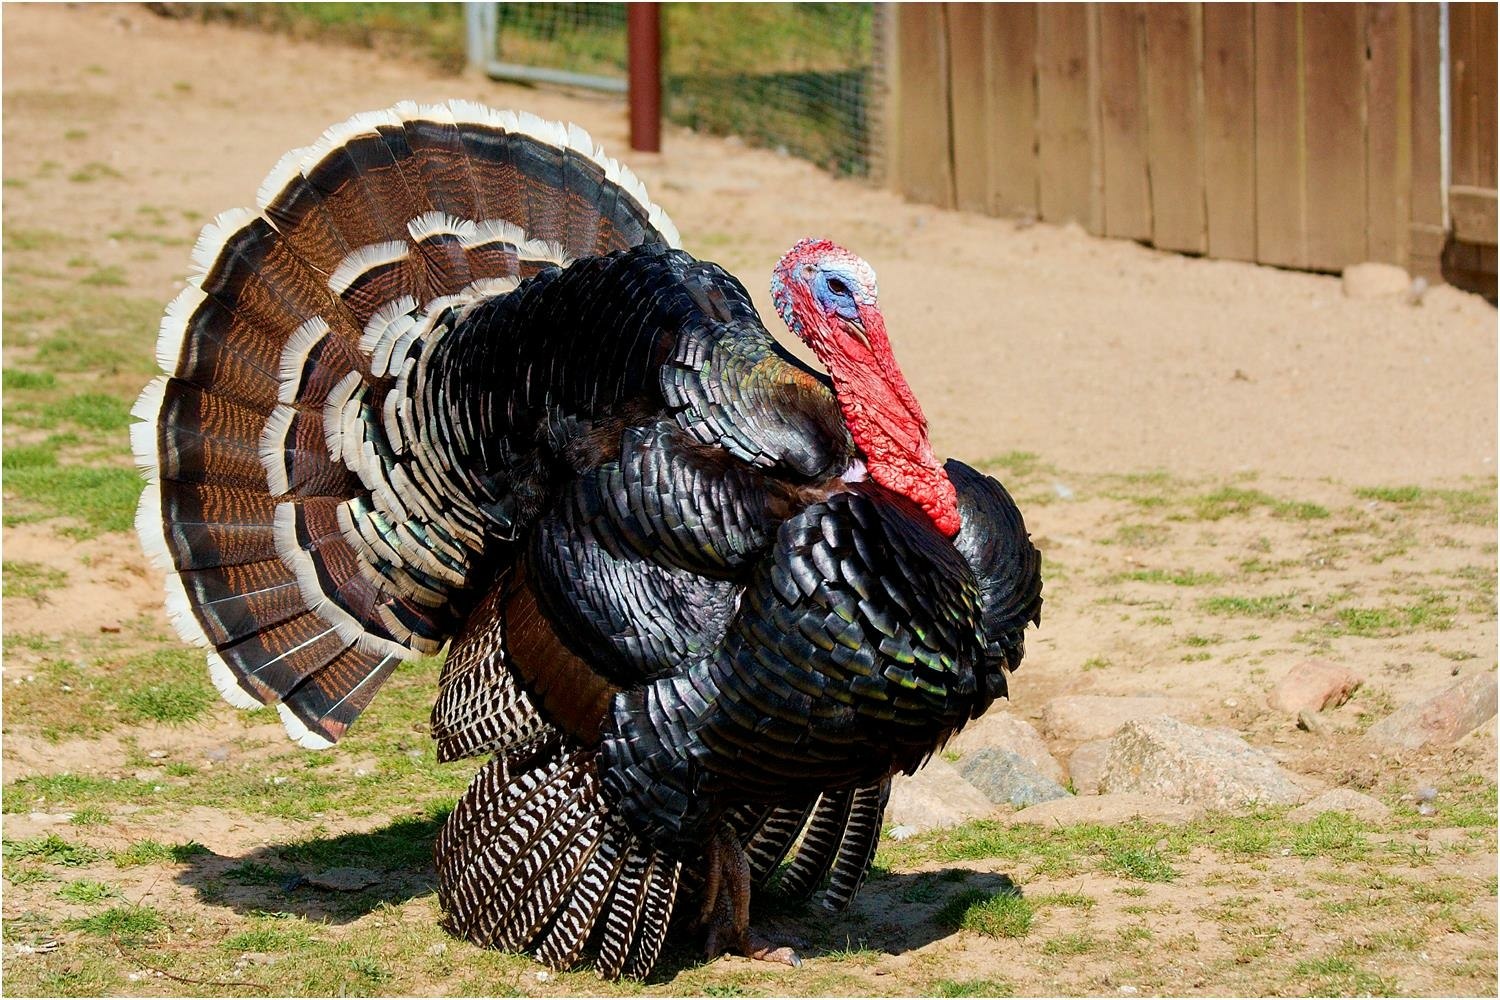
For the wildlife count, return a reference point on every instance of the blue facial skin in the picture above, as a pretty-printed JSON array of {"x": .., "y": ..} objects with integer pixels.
[{"x": 834, "y": 292}]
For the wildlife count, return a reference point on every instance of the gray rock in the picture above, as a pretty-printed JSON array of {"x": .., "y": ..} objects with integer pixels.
[
  {"x": 1372, "y": 280},
  {"x": 1086, "y": 766},
  {"x": 1314, "y": 686},
  {"x": 1210, "y": 768},
  {"x": 1084, "y": 717},
  {"x": 1344, "y": 800},
  {"x": 1005, "y": 776},
  {"x": 1003, "y": 731},
  {"x": 344, "y": 879},
  {"x": 1447, "y": 717},
  {"x": 1105, "y": 809},
  {"x": 937, "y": 796}
]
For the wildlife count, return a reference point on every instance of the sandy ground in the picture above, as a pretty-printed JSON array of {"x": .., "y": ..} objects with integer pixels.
[{"x": 1102, "y": 358}]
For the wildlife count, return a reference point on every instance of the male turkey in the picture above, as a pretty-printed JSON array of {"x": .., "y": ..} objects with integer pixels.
[{"x": 453, "y": 382}]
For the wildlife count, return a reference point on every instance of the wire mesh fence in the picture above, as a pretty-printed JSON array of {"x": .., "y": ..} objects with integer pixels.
[{"x": 798, "y": 77}]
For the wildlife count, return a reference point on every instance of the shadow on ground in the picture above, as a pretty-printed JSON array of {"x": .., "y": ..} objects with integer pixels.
[{"x": 894, "y": 913}]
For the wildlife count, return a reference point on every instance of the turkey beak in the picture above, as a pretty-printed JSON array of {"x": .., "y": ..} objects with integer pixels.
[{"x": 856, "y": 329}]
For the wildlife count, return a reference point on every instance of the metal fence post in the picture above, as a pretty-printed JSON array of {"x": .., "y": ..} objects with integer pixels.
[{"x": 643, "y": 29}]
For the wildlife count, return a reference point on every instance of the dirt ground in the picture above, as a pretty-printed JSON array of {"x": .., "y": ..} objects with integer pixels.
[{"x": 1229, "y": 468}]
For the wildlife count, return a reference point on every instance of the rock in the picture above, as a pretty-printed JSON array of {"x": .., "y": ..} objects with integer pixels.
[
  {"x": 1309, "y": 722},
  {"x": 1085, "y": 717},
  {"x": 1204, "y": 767},
  {"x": 1005, "y": 776},
  {"x": 150, "y": 774},
  {"x": 1371, "y": 280},
  {"x": 344, "y": 879},
  {"x": 1004, "y": 731},
  {"x": 51, "y": 819},
  {"x": 1447, "y": 717},
  {"x": 217, "y": 754},
  {"x": 1314, "y": 686},
  {"x": 1105, "y": 809},
  {"x": 1344, "y": 800},
  {"x": 935, "y": 797},
  {"x": 1086, "y": 766}
]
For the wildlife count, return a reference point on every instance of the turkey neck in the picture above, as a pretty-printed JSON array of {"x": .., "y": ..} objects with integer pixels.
[{"x": 885, "y": 420}]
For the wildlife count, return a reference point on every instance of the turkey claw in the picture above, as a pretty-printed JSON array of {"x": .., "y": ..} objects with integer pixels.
[{"x": 762, "y": 950}]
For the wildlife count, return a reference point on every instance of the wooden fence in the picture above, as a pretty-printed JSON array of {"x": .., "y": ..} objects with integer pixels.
[{"x": 1302, "y": 135}]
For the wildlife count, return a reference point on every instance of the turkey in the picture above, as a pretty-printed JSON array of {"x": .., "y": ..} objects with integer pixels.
[{"x": 453, "y": 383}]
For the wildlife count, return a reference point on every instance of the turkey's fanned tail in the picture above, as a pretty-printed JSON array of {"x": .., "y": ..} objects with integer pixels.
[
  {"x": 308, "y": 534},
  {"x": 537, "y": 863}
]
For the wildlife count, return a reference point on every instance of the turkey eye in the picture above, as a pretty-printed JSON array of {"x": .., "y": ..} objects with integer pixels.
[{"x": 837, "y": 287}]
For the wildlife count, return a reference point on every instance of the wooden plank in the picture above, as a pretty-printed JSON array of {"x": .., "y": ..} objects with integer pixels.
[
  {"x": 1333, "y": 39},
  {"x": 1472, "y": 41},
  {"x": 1279, "y": 210},
  {"x": 1388, "y": 133},
  {"x": 1487, "y": 87},
  {"x": 1174, "y": 124},
  {"x": 1427, "y": 230},
  {"x": 1473, "y": 210},
  {"x": 924, "y": 165},
  {"x": 1065, "y": 180},
  {"x": 1122, "y": 122},
  {"x": 970, "y": 115},
  {"x": 1010, "y": 50},
  {"x": 1464, "y": 98},
  {"x": 1229, "y": 129}
]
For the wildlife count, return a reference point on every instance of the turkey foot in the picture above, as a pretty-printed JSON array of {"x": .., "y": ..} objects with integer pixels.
[{"x": 726, "y": 905}]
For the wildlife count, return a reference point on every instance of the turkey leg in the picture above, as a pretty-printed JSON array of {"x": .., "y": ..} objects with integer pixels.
[{"x": 726, "y": 905}]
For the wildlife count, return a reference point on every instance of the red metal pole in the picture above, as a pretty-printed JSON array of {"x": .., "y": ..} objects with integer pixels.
[{"x": 643, "y": 28}]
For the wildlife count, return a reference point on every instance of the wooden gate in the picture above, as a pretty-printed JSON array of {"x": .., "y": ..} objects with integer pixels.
[{"x": 1302, "y": 135}]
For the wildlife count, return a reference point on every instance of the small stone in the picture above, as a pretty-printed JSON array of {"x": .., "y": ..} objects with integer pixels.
[
  {"x": 1426, "y": 794},
  {"x": 1084, "y": 717},
  {"x": 1344, "y": 800},
  {"x": 1086, "y": 766},
  {"x": 1063, "y": 491},
  {"x": 1447, "y": 717},
  {"x": 217, "y": 754},
  {"x": 441, "y": 948},
  {"x": 1309, "y": 722},
  {"x": 1372, "y": 280},
  {"x": 1105, "y": 810},
  {"x": 157, "y": 754},
  {"x": 1205, "y": 767},
  {"x": 1004, "y": 776},
  {"x": 1004, "y": 731},
  {"x": 1314, "y": 686},
  {"x": 51, "y": 819},
  {"x": 150, "y": 774},
  {"x": 936, "y": 796},
  {"x": 344, "y": 879}
]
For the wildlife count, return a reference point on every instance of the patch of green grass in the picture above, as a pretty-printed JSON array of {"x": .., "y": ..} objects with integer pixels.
[
  {"x": 1080, "y": 943},
  {"x": 1202, "y": 640},
  {"x": 1231, "y": 501},
  {"x": 1096, "y": 663},
  {"x": 127, "y": 922},
  {"x": 1144, "y": 536},
  {"x": 85, "y": 891},
  {"x": 151, "y": 852},
  {"x": 23, "y": 239},
  {"x": 102, "y": 499},
  {"x": 1000, "y": 914},
  {"x": 257, "y": 873},
  {"x": 269, "y": 935},
  {"x": 1071, "y": 900},
  {"x": 90, "y": 410},
  {"x": 1431, "y": 612},
  {"x": 105, "y": 277},
  {"x": 1464, "y": 506},
  {"x": 1141, "y": 865},
  {"x": 92, "y": 171},
  {"x": 1177, "y": 577},
  {"x": 972, "y": 988},
  {"x": 1269, "y": 606},
  {"x": 16, "y": 379},
  {"x": 52, "y": 850},
  {"x": 90, "y": 817},
  {"x": 174, "y": 702},
  {"x": 31, "y": 580}
]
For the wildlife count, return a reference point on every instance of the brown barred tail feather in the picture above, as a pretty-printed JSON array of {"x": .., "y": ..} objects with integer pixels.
[
  {"x": 311, "y": 535},
  {"x": 536, "y": 862}
]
